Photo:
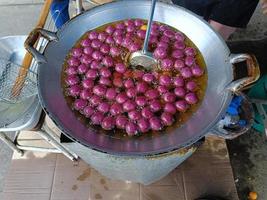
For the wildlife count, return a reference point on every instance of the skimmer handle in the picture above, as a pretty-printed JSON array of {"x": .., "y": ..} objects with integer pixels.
[{"x": 152, "y": 9}]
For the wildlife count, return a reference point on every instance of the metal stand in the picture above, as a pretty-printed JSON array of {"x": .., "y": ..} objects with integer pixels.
[
  {"x": 79, "y": 7},
  {"x": 10, "y": 143},
  {"x": 42, "y": 129},
  {"x": 50, "y": 137}
]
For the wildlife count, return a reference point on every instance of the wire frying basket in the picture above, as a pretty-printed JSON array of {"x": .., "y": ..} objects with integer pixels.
[{"x": 9, "y": 71}]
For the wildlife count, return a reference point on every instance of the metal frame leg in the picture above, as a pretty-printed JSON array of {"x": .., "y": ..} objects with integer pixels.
[
  {"x": 92, "y": 2},
  {"x": 51, "y": 138},
  {"x": 79, "y": 7},
  {"x": 40, "y": 149},
  {"x": 10, "y": 143}
]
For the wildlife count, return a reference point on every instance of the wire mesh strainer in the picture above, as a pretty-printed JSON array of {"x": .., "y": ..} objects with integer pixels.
[{"x": 8, "y": 73}]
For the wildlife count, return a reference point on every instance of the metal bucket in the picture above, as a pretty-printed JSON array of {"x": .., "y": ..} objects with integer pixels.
[{"x": 138, "y": 169}]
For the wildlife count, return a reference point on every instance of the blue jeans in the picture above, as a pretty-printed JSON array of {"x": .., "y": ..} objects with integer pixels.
[{"x": 62, "y": 7}]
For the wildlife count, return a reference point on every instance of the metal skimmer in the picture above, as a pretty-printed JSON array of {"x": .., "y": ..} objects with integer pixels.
[{"x": 145, "y": 58}]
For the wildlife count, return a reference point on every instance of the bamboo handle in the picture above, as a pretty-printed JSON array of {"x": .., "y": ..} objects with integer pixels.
[{"x": 26, "y": 63}]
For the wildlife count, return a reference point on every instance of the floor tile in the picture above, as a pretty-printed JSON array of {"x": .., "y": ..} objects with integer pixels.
[
  {"x": 107, "y": 189},
  {"x": 30, "y": 177},
  {"x": 168, "y": 180},
  {"x": 161, "y": 193},
  {"x": 208, "y": 171},
  {"x": 111, "y": 194},
  {"x": 71, "y": 181}
]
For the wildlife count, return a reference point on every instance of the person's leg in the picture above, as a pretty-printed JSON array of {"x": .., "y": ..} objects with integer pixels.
[
  {"x": 225, "y": 31},
  {"x": 199, "y": 7},
  {"x": 223, "y": 15},
  {"x": 204, "y": 8},
  {"x": 179, "y": 2},
  {"x": 264, "y": 6},
  {"x": 228, "y": 15}
]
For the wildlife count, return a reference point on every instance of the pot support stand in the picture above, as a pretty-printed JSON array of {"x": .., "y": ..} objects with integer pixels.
[{"x": 258, "y": 96}]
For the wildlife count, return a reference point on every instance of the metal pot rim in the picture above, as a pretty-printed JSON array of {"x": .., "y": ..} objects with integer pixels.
[{"x": 168, "y": 142}]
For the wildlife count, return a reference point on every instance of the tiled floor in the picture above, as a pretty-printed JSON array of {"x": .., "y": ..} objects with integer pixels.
[
  {"x": 19, "y": 17},
  {"x": 41, "y": 176}
]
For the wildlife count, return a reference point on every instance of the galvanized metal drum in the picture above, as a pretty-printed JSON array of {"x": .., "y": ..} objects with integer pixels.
[{"x": 218, "y": 59}]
